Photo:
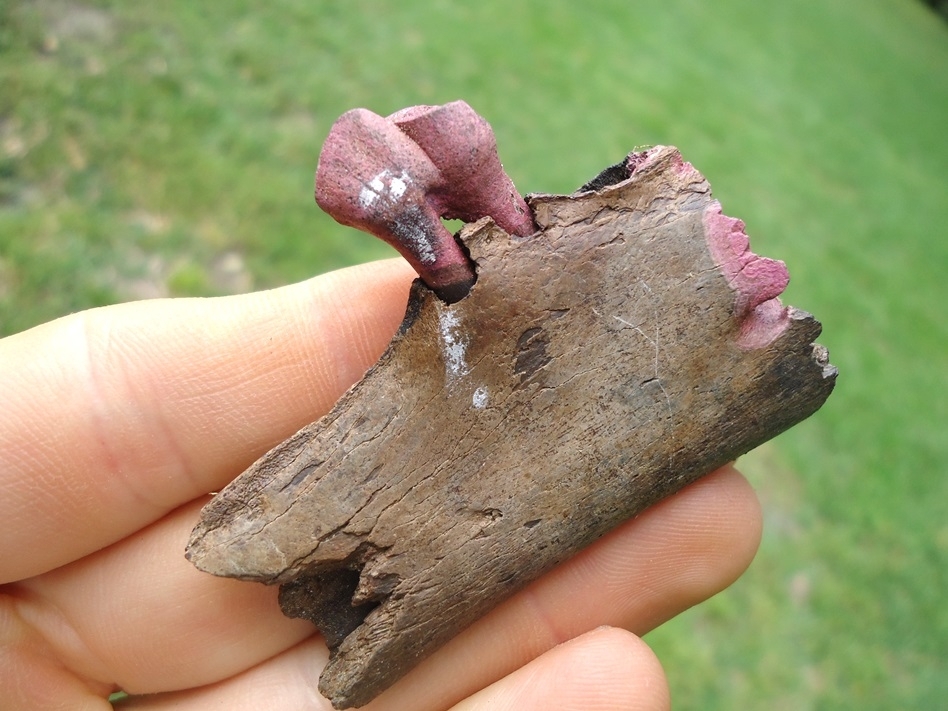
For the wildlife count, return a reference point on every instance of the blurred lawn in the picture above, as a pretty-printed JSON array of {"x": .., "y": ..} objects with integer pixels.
[{"x": 152, "y": 149}]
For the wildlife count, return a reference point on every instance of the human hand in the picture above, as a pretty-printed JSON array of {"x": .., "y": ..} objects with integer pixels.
[{"x": 117, "y": 422}]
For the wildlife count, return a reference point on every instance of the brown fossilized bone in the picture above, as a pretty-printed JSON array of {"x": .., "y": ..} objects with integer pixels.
[{"x": 631, "y": 345}]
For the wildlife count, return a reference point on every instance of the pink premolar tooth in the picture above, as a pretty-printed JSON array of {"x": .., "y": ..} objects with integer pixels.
[
  {"x": 396, "y": 177},
  {"x": 373, "y": 177}
]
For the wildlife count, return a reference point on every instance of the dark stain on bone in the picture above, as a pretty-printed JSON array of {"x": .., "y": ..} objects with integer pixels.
[{"x": 531, "y": 353}]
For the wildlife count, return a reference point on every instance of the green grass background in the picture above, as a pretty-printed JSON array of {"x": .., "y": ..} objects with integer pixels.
[{"x": 152, "y": 149}]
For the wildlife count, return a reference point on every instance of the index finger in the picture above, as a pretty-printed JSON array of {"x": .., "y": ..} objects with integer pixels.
[{"x": 115, "y": 416}]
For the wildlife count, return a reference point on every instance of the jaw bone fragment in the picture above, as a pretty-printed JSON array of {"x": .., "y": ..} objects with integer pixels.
[{"x": 630, "y": 346}]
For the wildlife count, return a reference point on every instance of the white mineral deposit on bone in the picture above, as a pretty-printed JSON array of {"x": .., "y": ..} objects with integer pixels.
[
  {"x": 480, "y": 398},
  {"x": 453, "y": 345}
]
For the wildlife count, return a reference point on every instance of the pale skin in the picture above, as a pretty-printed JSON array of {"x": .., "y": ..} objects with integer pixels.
[{"x": 117, "y": 423}]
